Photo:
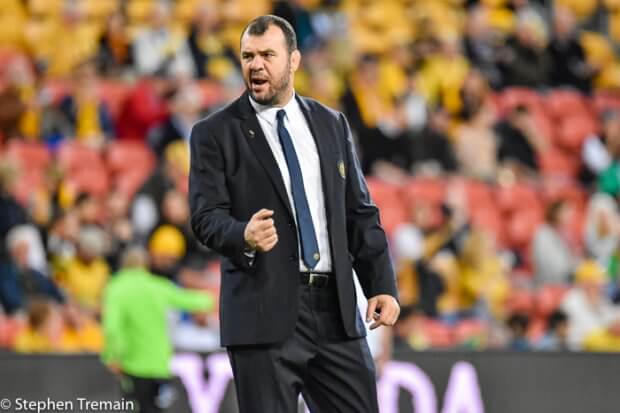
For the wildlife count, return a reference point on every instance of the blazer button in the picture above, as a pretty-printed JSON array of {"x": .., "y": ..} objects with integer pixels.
[
  {"x": 291, "y": 224},
  {"x": 293, "y": 257}
]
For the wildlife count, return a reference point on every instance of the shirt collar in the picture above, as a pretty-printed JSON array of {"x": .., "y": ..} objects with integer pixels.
[{"x": 269, "y": 113}]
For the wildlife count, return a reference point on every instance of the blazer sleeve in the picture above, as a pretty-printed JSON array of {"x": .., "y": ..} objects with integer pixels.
[
  {"x": 366, "y": 238},
  {"x": 210, "y": 201}
]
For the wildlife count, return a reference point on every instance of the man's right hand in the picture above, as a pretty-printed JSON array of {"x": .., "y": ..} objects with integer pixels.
[{"x": 260, "y": 233}]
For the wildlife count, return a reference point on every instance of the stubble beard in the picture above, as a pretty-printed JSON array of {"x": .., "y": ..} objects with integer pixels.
[{"x": 279, "y": 90}]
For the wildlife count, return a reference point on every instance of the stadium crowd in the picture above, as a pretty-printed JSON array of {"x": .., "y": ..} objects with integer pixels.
[{"x": 489, "y": 132}]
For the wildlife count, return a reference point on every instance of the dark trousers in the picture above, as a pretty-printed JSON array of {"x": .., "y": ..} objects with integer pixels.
[
  {"x": 332, "y": 372},
  {"x": 146, "y": 392}
]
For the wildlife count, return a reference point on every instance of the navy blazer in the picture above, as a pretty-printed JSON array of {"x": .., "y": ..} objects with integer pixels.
[{"x": 234, "y": 174}]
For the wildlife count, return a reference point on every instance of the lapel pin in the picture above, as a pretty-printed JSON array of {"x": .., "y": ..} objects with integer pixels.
[
  {"x": 341, "y": 169},
  {"x": 251, "y": 132}
]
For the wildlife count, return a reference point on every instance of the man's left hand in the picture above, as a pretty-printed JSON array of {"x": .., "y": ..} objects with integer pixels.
[{"x": 384, "y": 309}]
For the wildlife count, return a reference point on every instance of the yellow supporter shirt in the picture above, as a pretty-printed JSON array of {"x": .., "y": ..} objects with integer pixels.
[
  {"x": 85, "y": 281},
  {"x": 602, "y": 340},
  {"x": 31, "y": 341}
]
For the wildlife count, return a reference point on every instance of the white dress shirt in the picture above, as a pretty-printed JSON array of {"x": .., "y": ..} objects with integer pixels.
[{"x": 307, "y": 153}]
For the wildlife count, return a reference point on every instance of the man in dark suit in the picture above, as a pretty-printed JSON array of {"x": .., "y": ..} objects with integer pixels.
[{"x": 277, "y": 190}]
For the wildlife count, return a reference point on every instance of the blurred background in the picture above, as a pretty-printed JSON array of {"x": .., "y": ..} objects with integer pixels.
[{"x": 489, "y": 132}]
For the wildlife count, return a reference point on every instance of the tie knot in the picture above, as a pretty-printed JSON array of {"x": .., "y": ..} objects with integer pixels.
[{"x": 280, "y": 115}]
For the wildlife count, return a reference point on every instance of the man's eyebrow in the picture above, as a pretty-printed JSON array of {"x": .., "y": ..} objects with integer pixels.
[{"x": 249, "y": 52}]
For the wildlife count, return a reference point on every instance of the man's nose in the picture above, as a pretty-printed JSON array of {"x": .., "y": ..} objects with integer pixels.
[{"x": 256, "y": 64}]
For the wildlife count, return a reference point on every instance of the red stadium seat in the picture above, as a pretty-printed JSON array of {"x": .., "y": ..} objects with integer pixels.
[
  {"x": 113, "y": 93},
  {"x": 383, "y": 192},
  {"x": 479, "y": 195},
  {"x": 212, "y": 92},
  {"x": 439, "y": 334},
  {"x": 12, "y": 328},
  {"x": 606, "y": 101},
  {"x": 470, "y": 331},
  {"x": 427, "y": 189},
  {"x": 130, "y": 182},
  {"x": 76, "y": 156},
  {"x": 515, "y": 96},
  {"x": 574, "y": 129},
  {"x": 520, "y": 301},
  {"x": 549, "y": 298},
  {"x": 515, "y": 197},
  {"x": 392, "y": 216},
  {"x": 565, "y": 103},
  {"x": 558, "y": 163},
  {"x": 29, "y": 155},
  {"x": 522, "y": 226},
  {"x": 27, "y": 183},
  {"x": 536, "y": 329},
  {"x": 130, "y": 164},
  {"x": 126, "y": 156},
  {"x": 94, "y": 181},
  {"x": 569, "y": 190},
  {"x": 489, "y": 219}
]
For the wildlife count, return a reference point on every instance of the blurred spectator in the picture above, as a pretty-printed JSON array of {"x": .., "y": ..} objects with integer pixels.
[
  {"x": 524, "y": 60},
  {"x": 319, "y": 77},
  {"x": 476, "y": 142},
  {"x": 12, "y": 102},
  {"x": 442, "y": 75},
  {"x": 365, "y": 103},
  {"x": 518, "y": 324},
  {"x": 88, "y": 209},
  {"x": 115, "y": 55},
  {"x": 29, "y": 234},
  {"x": 483, "y": 277},
  {"x": 600, "y": 155},
  {"x": 84, "y": 276},
  {"x": 175, "y": 212},
  {"x": 409, "y": 330},
  {"x": 82, "y": 332},
  {"x": 552, "y": 257},
  {"x": 607, "y": 157},
  {"x": 167, "y": 249},
  {"x": 605, "y": 339},
  {"x": 12, "y": 212},
  {"x": 556, "y": 336},
  {"x": 602, "y": 228},
  {"x": 296, "y": 13},
  {"x": 172, "y": 173},
  {"x": 137, "y": 345},
  {"x": 84, "y": 109},
  {"x": 60, "y": 44},
  {"x": 475, "y": 97},
  {"x": 185, "y": 110},
  {"x": 519, "y": 140},
  {"x": 159, "y": 50},
  {"x": 118, "y": 227},
  {"x": 44, "y": 332},
  {"x": 586, "y": 304},
  {"x": 63, "y": 237},
  {"x": 144, "y": 107},
  {"x": 567, "y": 53},
  {"x": 212, "y": 58},
  {"x": 481, "y": 45},
  {"x": 20, "y": 283},
  {"x": 431, "y": 150}
]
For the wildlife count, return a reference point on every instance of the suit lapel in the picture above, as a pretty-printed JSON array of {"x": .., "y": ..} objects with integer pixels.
[
  {"x": 322, "y": 141},
  {"x": 258, "y": 142}
]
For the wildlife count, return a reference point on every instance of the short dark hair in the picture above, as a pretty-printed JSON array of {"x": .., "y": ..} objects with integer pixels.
[{"x": 261, "y": 24}]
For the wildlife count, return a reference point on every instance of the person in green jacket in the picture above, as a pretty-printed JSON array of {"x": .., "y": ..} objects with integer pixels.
[{"x": 137, "y": 345}]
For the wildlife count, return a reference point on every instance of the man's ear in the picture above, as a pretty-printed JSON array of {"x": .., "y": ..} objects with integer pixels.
[{"x": 295, "y": 60}]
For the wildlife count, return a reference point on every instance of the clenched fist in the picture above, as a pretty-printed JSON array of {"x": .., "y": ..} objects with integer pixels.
[{"x": 260, "y": 233}]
